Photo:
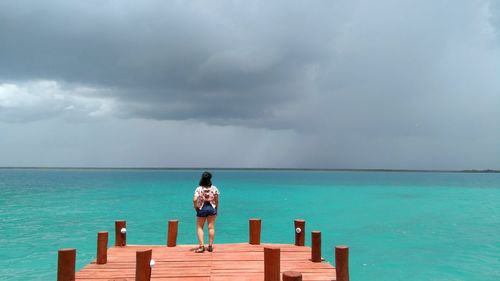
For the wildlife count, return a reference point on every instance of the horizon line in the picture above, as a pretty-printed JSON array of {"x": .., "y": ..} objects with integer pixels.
[{"x": 254, "y": 169}]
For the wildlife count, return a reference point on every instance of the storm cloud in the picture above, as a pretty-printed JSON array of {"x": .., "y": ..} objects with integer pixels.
[{"x": 334, "y": 84}]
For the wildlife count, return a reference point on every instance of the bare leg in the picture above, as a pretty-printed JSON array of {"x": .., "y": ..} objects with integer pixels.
[
  {"x": 211, "y": 229},
  {"x": 200, "y": 222}
]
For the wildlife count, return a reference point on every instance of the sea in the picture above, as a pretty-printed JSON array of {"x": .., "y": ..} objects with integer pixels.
[{"x": 410, "y": 226}]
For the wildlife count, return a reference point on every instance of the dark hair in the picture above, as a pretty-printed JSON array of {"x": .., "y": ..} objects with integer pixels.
[{"x": 206, "y": 179}]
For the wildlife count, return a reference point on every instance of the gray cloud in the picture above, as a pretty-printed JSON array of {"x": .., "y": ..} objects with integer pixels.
[
  {"x": 356, "y": 80},
  {"x": 223, "y": 61}
]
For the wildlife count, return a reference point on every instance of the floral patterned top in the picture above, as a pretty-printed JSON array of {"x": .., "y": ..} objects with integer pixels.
[{"x": 206, "y": 194}]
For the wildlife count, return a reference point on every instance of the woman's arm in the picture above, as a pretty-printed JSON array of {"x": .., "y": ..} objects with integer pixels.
[
  {"x": 195, "y": 202},
  {"x": 216, "y": 199}
]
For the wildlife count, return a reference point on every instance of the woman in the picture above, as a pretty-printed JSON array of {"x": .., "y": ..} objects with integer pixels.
[{"x": 206, "y": 202}]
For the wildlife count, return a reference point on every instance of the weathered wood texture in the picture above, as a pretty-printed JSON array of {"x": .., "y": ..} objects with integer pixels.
[
  {"x": 102, "y": 247},
  {"x": 254, "y": 231},
  {"x": 172, "y": 233},
  {"x": 227, "y": 262},
  {"x": 300, "y": 232},
  {"x": 143, "y": 265},
  {"x": 316, "y": 246},
  {"x": 120, "y": 237},
  {"x": 342, "y": 262},
  {"x": 66, "y": 260},
  {"x": 272, "y": 263},
  {"x": 292, "y": 276}
]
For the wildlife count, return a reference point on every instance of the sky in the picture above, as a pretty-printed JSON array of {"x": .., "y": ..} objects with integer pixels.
[{"x": 358, "y": 84}]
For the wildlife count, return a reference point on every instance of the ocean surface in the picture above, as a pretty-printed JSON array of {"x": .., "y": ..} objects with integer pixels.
[{"x": 399, "y": 225}]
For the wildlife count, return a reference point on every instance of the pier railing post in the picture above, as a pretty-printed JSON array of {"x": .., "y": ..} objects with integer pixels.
[
  {"x": 102, "y": 247},
  {"x": 342, "y": 263},
  {"x": 292, "y": 276},
  {"x": 254, "y": 231},
  {"x": 120, "y": 233},
  {"x": 271, "y": 264},
  {"x": 143, "y": 265},
  {"x": 300, "y": 230},
  {"x": 172, "y": 233},
  {"x": 66, "y": 260},
  {"x": 316, "y": 246}
]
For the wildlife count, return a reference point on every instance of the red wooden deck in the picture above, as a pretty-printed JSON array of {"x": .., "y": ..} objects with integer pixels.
[{"x": 227, "y": 262}]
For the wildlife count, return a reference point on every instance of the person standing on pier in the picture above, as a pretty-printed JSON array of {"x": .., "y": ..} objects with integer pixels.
[{"x": 206, "y": 203}]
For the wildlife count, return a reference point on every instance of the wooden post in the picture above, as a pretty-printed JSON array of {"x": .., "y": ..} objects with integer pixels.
[
  {"x": 143, "y": 265},
  {"x": 172, "y": 233},
  {"x": 271, "y": 264},
  {"x": 300, "y": 230},
  {"x": 66, "y": 260},
  {"x": 292, "y": 276},
  {"x": 102, "y": 247},
  {"x": 316, "y": 246},
  {"x": 342, "y": 263},
  {"x": 254, "y": 227},
  {"x": 120, "y": 233}
]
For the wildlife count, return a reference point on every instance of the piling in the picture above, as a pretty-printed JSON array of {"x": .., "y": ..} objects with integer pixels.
[
  {"x": 342, "y": 263},
  {"x": 120, "y": 233},
  {"x": 271, "y": 264},
  {"x": 292, "y": 276},
  {"x": 316, "y": 246},
  {"x": 172, "y": 233},
  {"x": 254, "y": 229},
  {"x": 300, "y": 230},
  {"x": 66, "y": 260},
  {"x": 102, "y": 247},
  {"x": 143, "y": 265}
]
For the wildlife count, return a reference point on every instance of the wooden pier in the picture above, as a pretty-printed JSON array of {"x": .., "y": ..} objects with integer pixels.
[{"x": 241, "y": 261}]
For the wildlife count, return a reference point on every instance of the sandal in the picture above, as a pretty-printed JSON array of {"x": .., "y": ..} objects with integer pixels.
[
  {"x": 200, "y": 249},
  {"x": 210, "y": 248}
]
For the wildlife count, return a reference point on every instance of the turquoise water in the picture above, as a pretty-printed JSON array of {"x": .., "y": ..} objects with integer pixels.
[{"x": 399, "y": 226}]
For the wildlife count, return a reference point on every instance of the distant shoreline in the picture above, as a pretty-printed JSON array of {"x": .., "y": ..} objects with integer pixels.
[{"x": 254, "y": 169}]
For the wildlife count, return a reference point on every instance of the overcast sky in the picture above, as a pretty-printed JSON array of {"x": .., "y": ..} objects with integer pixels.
[{"x": 293, "y": 84}]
